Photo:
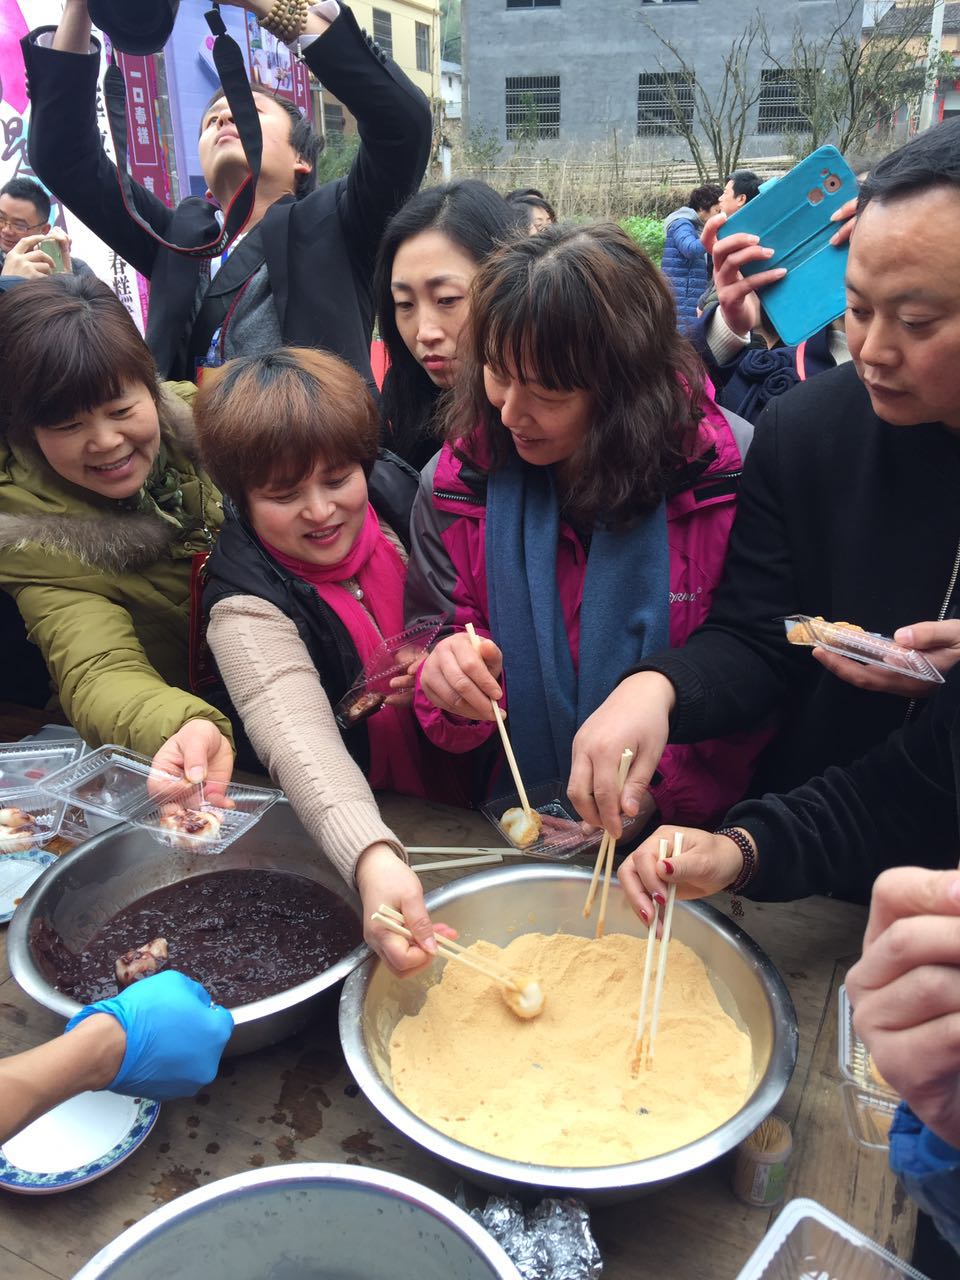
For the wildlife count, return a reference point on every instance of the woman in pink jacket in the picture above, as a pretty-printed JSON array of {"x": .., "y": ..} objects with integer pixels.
[{"x": 579, "y": 512}]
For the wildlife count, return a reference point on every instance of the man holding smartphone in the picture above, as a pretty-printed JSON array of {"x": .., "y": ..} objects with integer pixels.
[
  {"x": 300, "y": 273},
  {"x": 24, "y": 226}
]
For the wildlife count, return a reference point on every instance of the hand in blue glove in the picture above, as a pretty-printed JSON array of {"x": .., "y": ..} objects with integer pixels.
[{"x": 175, "y": 1036}]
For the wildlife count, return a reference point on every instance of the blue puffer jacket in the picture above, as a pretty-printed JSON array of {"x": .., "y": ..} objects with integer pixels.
[{"x": 685, "y": 262}]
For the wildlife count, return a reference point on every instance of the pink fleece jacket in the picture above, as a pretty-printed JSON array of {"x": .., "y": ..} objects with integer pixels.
[{"x": 695, "y": 783}]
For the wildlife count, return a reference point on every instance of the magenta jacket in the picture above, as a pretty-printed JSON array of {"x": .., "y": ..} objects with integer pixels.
[{"x": 695, "y": 783}]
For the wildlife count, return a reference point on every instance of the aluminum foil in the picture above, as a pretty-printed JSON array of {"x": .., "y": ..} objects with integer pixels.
[{"x": 550, "y": 1242}]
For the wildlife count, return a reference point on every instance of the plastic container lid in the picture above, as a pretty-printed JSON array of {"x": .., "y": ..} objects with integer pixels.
[
  {"x": 124, "y": 786},
  {"x": 391, "y": 658},
  {"x": 24, "y": 767},
  {"x": 807, "y": 1242},
  {"x": 864, "y": 646},
  {"x": 562, "y": 837}
]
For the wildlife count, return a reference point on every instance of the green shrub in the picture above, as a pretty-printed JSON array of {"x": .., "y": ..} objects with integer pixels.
[{"x": 648, "y": 233}]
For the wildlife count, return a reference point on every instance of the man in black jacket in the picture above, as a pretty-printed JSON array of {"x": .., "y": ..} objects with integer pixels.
[
  {"x": 301, "y": 275},
  {"x": 848, "y": 509}
]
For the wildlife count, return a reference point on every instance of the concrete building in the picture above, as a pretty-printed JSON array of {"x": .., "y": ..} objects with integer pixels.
[
  {"x": 573, "y": 74},
  {"x": 891, "y": 22},
  {"x": 409, "y": 30},
  {"x": 451, "y": 89}
]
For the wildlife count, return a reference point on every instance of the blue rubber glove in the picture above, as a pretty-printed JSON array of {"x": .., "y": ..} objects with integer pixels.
[{"x": 175, "y": 1036}]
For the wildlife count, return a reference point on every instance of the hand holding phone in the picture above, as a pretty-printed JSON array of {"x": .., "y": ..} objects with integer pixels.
[
  {"x": 53, "y": 248},
  {"x": 791, "y": 219}
]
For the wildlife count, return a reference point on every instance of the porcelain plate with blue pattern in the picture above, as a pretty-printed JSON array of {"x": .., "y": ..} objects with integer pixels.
[
  {"x": 17, "y": 873},
  {"x": 75, "y": 1143}
]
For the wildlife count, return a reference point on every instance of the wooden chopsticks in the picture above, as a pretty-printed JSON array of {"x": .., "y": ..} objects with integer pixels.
[
  {"x": 643, "y": 1054},
  {"x": 393, "y": 920},
  {"x": 508, "y": 750},
  {"x": 605, "y": 855}
]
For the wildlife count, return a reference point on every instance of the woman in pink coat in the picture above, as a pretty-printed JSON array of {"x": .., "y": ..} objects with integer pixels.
[{"x": 579, "y": 512}]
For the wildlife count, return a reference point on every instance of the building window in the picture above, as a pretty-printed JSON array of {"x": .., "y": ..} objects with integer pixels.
[
  {"x": 383, "y": 31},
  {"x": 423, "y": 47},
  {"x": 334, "y": 120},
  {"x": 663, "y": 99},
  {"x": 779, "y": 103},
  {"x": 533, "y": 106},
  {"x": 533, "y": 4}
]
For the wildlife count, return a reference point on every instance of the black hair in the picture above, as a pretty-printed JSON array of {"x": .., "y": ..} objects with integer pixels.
[
  {"x": 477, "y": 220},
  {"x": 69, "y": 345},
  {"x": 584, "y": 308},
  {"x": 27, "y": 189},
  {"x": 304, "y": 139},
  {"x": 705, "y": 197},
  {"x": 745, "y": 183},
  {"x": 530, "y": 198},
  {"x": 931, "y": 159}
]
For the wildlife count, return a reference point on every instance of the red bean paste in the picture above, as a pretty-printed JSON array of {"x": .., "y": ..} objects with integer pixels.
[{"x": 243, "y": 934}]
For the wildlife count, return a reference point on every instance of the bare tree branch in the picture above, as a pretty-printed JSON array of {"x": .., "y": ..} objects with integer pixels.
[{"x": 713, "y": 125}]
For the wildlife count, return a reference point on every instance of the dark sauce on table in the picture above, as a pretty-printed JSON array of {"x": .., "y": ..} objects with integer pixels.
[{"x": 243, "y": 934}]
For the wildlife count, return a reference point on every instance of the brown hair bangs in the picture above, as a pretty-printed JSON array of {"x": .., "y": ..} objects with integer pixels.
[
  {"x": 267, "y": 421},
  {"x": 68, "y": 345},
  {"x": 586, "y": 309}
]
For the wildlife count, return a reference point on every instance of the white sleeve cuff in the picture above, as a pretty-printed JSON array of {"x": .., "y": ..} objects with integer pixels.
[
  {"x": 327, "y": 9},
  {"x": 45, "y": 41},
  {"x": 721, "y": 339}
]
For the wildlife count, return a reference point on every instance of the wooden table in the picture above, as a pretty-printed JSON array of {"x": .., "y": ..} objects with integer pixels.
[{"x": 296, "y": 1101}]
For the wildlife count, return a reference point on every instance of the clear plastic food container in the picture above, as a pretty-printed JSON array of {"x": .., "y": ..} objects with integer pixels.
[
  {"x": 390, "y": 659},
  {"x": 869, "y": 1115},
  {"x": 855, "y": 1061},
  {"x": 850, "y": 641},
  {"x": 29, "y": 817},
  {"x": 562, "y": 837},
  {"x": 124, "y": 786},
  {"x": 807, "y": 1242},
  {"x": 869, "y": 1104}
]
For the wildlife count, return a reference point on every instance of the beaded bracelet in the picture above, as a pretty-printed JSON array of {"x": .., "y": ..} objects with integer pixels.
[
  {"x": 747, "y": 871},
  {"x": 286, "y": 20}
]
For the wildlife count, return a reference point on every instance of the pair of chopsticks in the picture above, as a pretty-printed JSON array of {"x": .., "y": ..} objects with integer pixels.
[
  {"x": 643, "y": 1053},
  {"x": 508, "y": 750},
  {"x": 605, "y": 855},
  {"x": 393, "y": 920}
]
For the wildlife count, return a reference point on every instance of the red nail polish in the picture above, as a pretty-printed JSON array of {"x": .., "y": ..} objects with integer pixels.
[
  {"x": 659, "y": 898},
  {"x": 644, "y": 917},
  {"x": 668, "y": 867}
]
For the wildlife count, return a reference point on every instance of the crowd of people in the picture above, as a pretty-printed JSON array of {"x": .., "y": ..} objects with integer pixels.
[{"x": 209, "y": 530}]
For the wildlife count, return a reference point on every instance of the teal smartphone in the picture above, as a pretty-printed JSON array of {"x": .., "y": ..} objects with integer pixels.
[
  {"x": 791, "y": 215},
  {"x": 53, "y": 249}
]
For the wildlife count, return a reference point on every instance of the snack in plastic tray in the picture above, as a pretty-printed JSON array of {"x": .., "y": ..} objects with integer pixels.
[
  {"x": 851, "y": 641},
  {"x": 123, "y": 785},
  {"x": 869, "y": 1104},
  {"x": 807, "y": 1242},
  {"x": 390, "y": 659},
  {"x": 561, "y": 836},
  {"x": 856, "y": 1062},
  {"x": 28, "y": 818}
]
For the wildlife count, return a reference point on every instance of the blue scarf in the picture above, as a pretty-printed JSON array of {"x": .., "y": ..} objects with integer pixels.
[{"x": 624, "y": 613}]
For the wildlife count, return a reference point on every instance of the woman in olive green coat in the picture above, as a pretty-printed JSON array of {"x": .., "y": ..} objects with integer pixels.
[{"x": 103, "y": 507}]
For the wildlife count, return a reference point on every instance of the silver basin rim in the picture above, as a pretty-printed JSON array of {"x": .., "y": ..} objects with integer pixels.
[{"x": 639, "y": 1173}]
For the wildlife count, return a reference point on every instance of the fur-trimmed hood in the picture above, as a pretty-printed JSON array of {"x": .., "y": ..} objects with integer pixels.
[{"x": 41, "y": 511}]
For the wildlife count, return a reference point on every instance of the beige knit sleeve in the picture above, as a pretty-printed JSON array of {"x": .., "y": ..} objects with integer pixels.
[{"x": 276, "y": 690}]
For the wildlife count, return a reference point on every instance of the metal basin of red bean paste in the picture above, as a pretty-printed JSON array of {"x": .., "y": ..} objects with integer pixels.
[{"x": 244, "y": 934}]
